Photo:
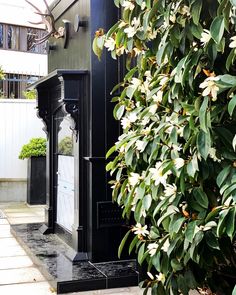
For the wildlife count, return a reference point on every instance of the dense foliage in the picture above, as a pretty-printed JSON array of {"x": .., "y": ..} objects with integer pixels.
[
  {"x": 175, "y": 163},
  {"x": 65, "y": 146},
  {"x": 36, "y": 147}
]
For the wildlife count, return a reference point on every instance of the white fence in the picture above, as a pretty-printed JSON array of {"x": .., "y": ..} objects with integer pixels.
[{"x": 18, "y": 124}]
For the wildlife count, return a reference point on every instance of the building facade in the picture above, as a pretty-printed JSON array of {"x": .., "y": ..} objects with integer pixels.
[{"x": 22, "y": 61}]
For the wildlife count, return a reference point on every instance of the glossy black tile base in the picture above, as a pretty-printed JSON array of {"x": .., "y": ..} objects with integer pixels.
[{"x": 48, "y": 253}]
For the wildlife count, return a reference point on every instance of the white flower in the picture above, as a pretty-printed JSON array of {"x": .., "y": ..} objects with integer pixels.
[
  {"x": 166, "y": 246},
  {"x": 125, "y": 122},
  {"x": 128, "y": 5},
  {"x": 135, "y": 83},
  {"x": 233, "y": 43},
  {"x": 134, "y": 28},
  {"x": 170, "y": 190},
  {"x": 145, "y": 121},
  {"x": 161, "y": 277},
  {"x": 158, "y": 96},
  {"x": 140, "y": 145},
  {"x": 153, "y": 108},
  {"x": 179, "y": 163},
  {"x": 212, "y": 154},
  {"x": 143, "y": 5},
  {"x": 176, "y": 148},
  {"x": 150, "y": 275},
  {"x": 185, "y": 10},
  {"x": 157, "y": 174},
  {"x": 205, "y": 37},
  {"x": 110, "y": 43},
  {"x": 152, "y": 248},
  {"x": 132, "y": 117},
  {"x": 137, "y": 51},
  {"x": 140, "y": 230},
  {"x": 151, "y": 34},
  {"x": 134, "y": 178},
  {"x": 210, "y": 87}
]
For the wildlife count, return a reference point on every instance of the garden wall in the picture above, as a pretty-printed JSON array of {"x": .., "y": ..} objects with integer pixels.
[{"x": 18, "y": 124}]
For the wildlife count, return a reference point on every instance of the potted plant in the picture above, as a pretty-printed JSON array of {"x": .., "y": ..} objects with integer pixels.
[{"x": 35, "y": 152}]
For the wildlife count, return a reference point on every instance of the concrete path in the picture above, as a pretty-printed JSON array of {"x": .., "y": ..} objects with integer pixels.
[{"x": 18, "y": 274}]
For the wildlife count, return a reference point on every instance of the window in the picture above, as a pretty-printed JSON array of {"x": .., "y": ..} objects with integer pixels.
[
  {"x": 15, "y": 84},
  {"x": 1, "y": 36},
  {"x": 13, "y": 37},
  {"x": 21, "y": 38}
]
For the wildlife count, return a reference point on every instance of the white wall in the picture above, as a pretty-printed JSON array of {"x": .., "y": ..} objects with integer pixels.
[{"x": 18, "y": 124}]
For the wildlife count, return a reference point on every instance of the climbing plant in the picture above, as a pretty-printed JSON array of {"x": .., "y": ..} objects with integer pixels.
[{"x": 174, "y": 165}]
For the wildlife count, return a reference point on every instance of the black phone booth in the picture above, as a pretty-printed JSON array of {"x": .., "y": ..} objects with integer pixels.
[{"x": 74, "y": 103}]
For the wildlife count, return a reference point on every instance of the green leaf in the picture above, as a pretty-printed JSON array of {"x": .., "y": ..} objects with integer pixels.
[
  {"x": 230, "y": 227},
  {"x": 123, "y": 243},
  {"x": 230, "y": 59},
  {"x": 141, "y": 253},
  {"x": 190, "y": 279},
  {"x": 212, "y": 240},
  {"x": 203, "y": 115},
  {"x": 232, "y": 105},
  {"x": 203, "y": 143},
  {"x": 222, "y": 222},
  {"x": 233, "y": 2},
  {"x": 176, "y": 265},
  {"x": 223, "y": 175},
  {"x": 133, "y": 244},
  {"x": 217, "y": 29},
  {"x": 178, "y": 224},
  {"x": 196, "y": 8},
  {"x": 118, "y": 111},
  {"x": 147, "y": 201},
  {"x": 234, "y": 290},
  {"x": 110, "y": 151},
  {"x": 191, "y": 231},
  {"x": 201, "y": 197}
]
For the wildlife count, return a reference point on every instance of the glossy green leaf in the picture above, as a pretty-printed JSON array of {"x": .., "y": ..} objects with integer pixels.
[
  {"x": 123, "y": 243},
  {"x": 217, "y": 29},
  {"x": 203, "y": 143},
  {"x": 223, "y": 175},
  {"x": 231, "y": 105},
  {"x": 201, "y": 197}
]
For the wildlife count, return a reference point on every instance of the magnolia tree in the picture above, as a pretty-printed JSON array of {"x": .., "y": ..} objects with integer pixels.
[{"x": 174, "y": 165}]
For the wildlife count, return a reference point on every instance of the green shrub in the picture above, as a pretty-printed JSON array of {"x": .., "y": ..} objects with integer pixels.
[
  {"x": 35, "y": 148},
  {"x": 65, "y": 146},
  {"x": 30, "y": 94}
]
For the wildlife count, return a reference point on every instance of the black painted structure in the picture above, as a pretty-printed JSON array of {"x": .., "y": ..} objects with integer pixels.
[
  {"x": 79, "y": 85},
  {"x": 36, "y": 181}
]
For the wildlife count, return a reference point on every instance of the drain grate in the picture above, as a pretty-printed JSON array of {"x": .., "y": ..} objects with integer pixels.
[{"x": 2, "y": 215}]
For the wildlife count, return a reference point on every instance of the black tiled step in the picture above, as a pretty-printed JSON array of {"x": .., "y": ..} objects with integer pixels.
[{"x": 48, "y": 253}]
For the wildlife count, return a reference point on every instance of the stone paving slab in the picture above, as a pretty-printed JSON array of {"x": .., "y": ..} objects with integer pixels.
[
  {"x": 23, "y": 220},
  {"x": 21, "y": 275},
  {"x": 42, "y": 288},
  {"x": 15, "y": 262},
  {"x": 12, "y": 251}
]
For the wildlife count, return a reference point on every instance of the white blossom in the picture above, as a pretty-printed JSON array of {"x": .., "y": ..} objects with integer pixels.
[
  {"x": 140, "y": 230},
  {"x": 125, "y": 122},
  {"x": 233, "y": 43},
  {"x": 179, "y": 163},
  {"x": 158, "y": 175},
  {"x": 210, "y": 87},
  {"x": 212, "y": 154},
  {"x": 134, "y": 28},
  {"x": 140, "y": 145},
  {"x": 161, "y": 277},
  {"x": 153, "y": 108},
  {"x": 170, "y": 190},
  {"x": 152, "y": 248},
  {"x": 110, "y": 44},
  {"x": 134, "y": 178},
  {"x": 128, "y": 5},
  {"x": 205, "y": 37},
  {"x": 135, "y": 82},
  {"x": 150, "y": 275},
  {"x": 143, "y": 5},
  {"x": 176, "y": 148},
  {"x": 158, "y": 96},
  {"x": 132, "y": 117},
  {"x": 166, "y": 246}
]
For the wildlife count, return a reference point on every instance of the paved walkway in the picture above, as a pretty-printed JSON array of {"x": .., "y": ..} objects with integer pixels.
[{"x": 18, "y": 274}]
